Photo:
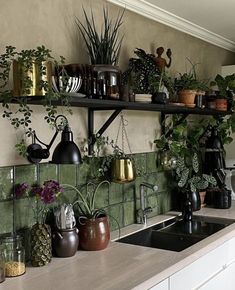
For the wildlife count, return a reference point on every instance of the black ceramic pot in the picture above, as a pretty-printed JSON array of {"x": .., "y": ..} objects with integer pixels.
[
  {"x": 159, "y": 98},
  {"x": 65, "y": 242},
  {"x": 194, "y": 199}
]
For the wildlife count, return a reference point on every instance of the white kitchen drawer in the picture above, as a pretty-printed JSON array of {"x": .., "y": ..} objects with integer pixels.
[
  {"x": 161, "y": 286},
  {"x": 201, "y": 270}
]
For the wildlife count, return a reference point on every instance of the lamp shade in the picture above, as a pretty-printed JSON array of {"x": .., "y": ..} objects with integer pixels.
[{"x": 66, "y": 152}]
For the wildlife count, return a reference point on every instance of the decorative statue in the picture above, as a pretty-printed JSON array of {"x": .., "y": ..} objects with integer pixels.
[{"x": 161, "y": 62}]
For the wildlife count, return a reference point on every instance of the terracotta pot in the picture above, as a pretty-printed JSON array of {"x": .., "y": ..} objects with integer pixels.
[
  {"x": 65, "y": 242},
  {"x": 221, "y": 104},
  {"x": 94, "y": 234},
  {"x": 187, "y": 96},
  {"x": 202, "y": 198}
]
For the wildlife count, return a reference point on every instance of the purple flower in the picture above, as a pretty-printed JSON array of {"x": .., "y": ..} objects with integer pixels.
[
  {"x": 36, "y": 191},
  {"x": 50, "y": 191},
  {"x": 21, "y": 189}
]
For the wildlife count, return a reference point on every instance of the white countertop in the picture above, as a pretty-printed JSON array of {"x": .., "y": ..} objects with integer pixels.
[{"x": 120, "y": 266}]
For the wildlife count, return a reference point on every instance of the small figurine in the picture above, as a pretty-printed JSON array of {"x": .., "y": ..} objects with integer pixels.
[{"x": 161, "y": 63}]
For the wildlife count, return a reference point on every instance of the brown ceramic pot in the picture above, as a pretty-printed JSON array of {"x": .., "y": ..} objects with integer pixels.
[
  {"x": 65, "y": 242},
  {"x": 94, "y": 234}
]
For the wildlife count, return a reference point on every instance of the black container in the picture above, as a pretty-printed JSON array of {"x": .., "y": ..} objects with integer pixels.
[
  {"x": 159, "y": 98},
  {"x": 65, "y": 242},
  {"x": 222, "y": 198}
]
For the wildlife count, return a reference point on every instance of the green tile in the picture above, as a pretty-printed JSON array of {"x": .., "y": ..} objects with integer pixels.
[
  {"x": 68, "y": 174},
  {"x": 83, "y": 173},
  {"x": 129, "y": 191},
  {"x": 6, "y": 182},
  {"x": 151, "y": 162},
  {"x": 68, "y": 196},
  {"x": 140, "y": 164},
  {"x": 162, "y": 181},
  {"x": 24, "y": 215},
  {"x": 102, "y": 194},
  {"x": 116, "y": 216},
  {"x": 6, "y": 217},
  {"x": 165, "y": 202},
  {"x": 152, "y": 201},
  {"x": 47, "y": 171},
  {"x": 129, "y": 213},
  {"x": 116, "y": 193},
  {"x": 26, "y": 173}
]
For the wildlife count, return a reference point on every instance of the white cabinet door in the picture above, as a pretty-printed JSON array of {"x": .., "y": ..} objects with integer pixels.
[
  {"x": 161, "y": 286},
  {"x": 195, "y": 274},
  {"x": 223, "y": 280}
]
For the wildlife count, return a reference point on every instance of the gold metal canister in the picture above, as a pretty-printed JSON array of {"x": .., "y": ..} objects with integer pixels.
[
  {"x": 33, "y": 74},
  {"x": 122, "y": 170}
]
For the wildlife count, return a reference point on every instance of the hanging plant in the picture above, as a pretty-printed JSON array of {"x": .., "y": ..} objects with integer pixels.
[{"x": 25, "y": 65}]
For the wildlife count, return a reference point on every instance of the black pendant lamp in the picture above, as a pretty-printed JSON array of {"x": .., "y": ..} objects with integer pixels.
[{"x": 66, "y": 152}]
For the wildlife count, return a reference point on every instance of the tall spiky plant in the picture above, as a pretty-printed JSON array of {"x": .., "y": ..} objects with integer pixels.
[{"x": 103, "y": 47}]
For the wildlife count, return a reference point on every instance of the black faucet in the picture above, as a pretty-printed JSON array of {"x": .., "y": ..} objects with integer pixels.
[{"x": 187, "y": 211}]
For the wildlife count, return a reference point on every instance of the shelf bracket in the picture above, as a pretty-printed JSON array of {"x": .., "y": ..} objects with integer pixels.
[{"x": 91, "y": 135}]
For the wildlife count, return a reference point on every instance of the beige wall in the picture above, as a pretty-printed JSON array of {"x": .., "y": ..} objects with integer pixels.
[{"x": 29, "y": 23}]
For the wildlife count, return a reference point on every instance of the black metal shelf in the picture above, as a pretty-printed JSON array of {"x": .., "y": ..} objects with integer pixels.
[
  {"x": 97, "y": 104},
  {"x": 117, "y": 106}
]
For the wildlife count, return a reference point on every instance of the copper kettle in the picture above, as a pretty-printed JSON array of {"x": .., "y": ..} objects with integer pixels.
[{"x": 123, "y": 170}]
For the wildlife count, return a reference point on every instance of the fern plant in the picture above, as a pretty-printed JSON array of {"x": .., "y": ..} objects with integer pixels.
[{"x": 103, "y": 48}]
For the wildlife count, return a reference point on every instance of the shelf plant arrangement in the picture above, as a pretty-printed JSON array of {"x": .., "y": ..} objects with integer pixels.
[{"x": 32, "y": 72}]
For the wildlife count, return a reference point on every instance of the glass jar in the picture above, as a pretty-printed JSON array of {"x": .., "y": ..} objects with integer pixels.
[
  {"x": 2, "y": 265},
  {"x": 14, "y": 256}
]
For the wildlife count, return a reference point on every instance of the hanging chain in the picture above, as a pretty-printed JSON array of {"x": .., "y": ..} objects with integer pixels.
[{"x": 123, "y": 123}]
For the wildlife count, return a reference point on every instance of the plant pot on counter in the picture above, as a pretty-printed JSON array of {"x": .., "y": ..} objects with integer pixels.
[
  {"x": 65, "y": 242},
  {"x": 94, "y": 233}
]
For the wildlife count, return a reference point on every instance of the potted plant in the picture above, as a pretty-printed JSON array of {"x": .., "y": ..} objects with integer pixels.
[
  {"x": 142, "y": 73},
  {"x": 31, "y": 77},
  {"x": 103, "y": 49},
  {"x": 191, "y": 180},
  {"x": 187, "y": 85},
  {"x": 43, "y": 196},
  {"x": 224, "y": 97},
  {"x": 94, "y": 232}
]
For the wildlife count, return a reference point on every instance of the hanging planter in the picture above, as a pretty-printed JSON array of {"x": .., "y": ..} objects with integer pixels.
[{"x": 122, "y": 166}]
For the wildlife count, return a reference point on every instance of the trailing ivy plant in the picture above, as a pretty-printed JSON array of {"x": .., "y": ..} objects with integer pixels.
[{"x": 20, "y": 114}]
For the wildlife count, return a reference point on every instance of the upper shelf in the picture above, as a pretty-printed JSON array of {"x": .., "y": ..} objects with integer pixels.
[{"x": 97, "y": 104}]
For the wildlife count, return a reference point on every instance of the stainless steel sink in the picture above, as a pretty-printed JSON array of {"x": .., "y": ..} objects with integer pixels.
[{"x": 176, "y": 234}]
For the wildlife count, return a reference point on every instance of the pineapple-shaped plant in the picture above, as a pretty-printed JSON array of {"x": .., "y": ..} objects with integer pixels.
[{"x": 41, "y": 249}]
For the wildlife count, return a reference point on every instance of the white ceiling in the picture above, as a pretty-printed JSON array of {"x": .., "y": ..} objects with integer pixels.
[
  {"x": 217, "y": 16},
  {"x": 210, "y": 20}
]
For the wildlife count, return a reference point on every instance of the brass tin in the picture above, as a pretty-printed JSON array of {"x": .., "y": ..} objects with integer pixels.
[
  {"x": 34, "y": 75},
  {"x": 123, "y": 170}
]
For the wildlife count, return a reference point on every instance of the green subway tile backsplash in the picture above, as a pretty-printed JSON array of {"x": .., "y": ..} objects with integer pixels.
[
  {"x": 120, "y": 200},
  {"x": 26, "y": 173},
  {"x": 6, "y": 182},
  {"x": 47, "y": 171}
]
